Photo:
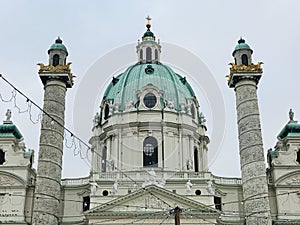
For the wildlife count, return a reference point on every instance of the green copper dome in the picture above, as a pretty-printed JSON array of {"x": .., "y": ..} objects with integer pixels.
[
  {"x": 123, "y": 88},
  {"x": 241, "y": 45},
  {"x": 290, "y": 130},
  {"x": 58, "y": 45},
  {"x": 8, "y": 129}
]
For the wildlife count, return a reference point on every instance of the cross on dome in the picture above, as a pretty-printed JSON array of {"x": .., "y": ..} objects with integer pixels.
[{"x": 148, "y": 24}]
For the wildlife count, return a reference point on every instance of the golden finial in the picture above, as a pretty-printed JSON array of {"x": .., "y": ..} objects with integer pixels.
[{"x": 148, "y": 25}]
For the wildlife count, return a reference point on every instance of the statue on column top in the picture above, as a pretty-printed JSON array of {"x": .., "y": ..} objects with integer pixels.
[{"x": 8, "y": 115}]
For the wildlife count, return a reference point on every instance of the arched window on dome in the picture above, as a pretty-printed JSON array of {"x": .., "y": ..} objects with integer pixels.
[
  {"x": 245, "y": 59},
  {"x": 156, "y": 55},
  {"x": 104, "y": 158},
  {"x": 298, "y": 156},
  {"x": 2, "y": 157},
  {"x": 150, "y": 152},
  {"x": 106, "y": 111},
  {"x": 196, "y": 162},
  {"x": 148, "y": 55},
  {"x": 55, "y": 60}
]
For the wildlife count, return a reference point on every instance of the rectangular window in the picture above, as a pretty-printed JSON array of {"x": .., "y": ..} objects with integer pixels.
[
  {"x": 218, "y": 203},
  {"x": 86, "y": 203}
]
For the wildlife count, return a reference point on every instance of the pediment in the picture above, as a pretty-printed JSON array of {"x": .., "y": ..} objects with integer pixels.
[
  {"x": 8, "y": 179},
  {"x": 292, "y": 179},
  {"x": 148, "y": 200}
]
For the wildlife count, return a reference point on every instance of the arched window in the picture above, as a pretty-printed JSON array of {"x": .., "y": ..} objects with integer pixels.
[
  {"x": 104, "y": 157},
  {"x": 106, "y": 111},
  {"x": 55, "y": 60},
  {"x": 156, "y": 55},
  {"x": 193, "y": 111},
  {"x": 196, "y": 162},
  {"x": 2, "y": 157},
  {"x": 148, "y": 54},
  {"x": 141, "y": 54},
  {"x": 298, "y": 156},
  {"x": 150, "y": 152},
  {"x": 245, "y": 59}
]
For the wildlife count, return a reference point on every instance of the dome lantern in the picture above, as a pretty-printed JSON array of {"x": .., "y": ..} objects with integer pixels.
[
  {"x": 148, "y": 50},
  {"x": 57, "y": 53},
  {"x": 242, "y": 53}
]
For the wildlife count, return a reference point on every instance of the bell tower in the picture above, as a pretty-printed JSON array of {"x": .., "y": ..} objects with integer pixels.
[
  {"x": 244, "y": 77},
  {"x": 56, "y": 77}
]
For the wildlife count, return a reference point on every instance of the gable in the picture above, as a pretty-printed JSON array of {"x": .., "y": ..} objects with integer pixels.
[
  {"x": 8, "y": 179},
  {"x": 290, "y": 179},
  {"x": 148, "y": 200}
]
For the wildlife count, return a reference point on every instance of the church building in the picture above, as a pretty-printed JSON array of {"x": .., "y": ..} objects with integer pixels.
[{"x": 149, "y": 151}]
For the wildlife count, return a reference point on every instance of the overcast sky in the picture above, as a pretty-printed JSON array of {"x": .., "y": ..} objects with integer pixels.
[{"x": 209, "y": 29}]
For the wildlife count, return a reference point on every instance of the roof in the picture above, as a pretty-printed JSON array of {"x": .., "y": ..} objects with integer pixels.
[
  {"x": 292, "y": 129},
  {"x": 242, "y": 45},
  {"x": 58, "y": 45},
  {"x": 8, "y": 129},
  {"x": 163, "y": 198},
  {"x": 123, "y": 88}
]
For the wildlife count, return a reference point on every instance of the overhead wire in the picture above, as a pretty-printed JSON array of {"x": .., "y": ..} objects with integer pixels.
[{"x": 78, "y": 147}]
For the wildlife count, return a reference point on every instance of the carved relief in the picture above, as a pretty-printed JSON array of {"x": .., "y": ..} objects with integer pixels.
[
  {"x": 246, "y": 92},
  {"x": 57, "y": 94},
  {"x": 249, "y": 139},
  {"x": 253, "y": 170},
  {"x": 293, "y": 180},
  {"x": 49, "y": 153},
  {"x": 6, "y": 180},
  {"x": 247, "y": 108},
  {"x": 130, "y": 105},
  {"x": 47, "y": 205},
  {"x": 252, "y": 154},
  {"x": 52, "y": 138},
  {"x": 255, "y": 187},
  {"x": 50, "y": 170},
  {"x": 256, "y": 205},
  {"x": 155, "y": 203},
  {"x": 55, "y": 69},
  {"x": 249, "y": 124}
]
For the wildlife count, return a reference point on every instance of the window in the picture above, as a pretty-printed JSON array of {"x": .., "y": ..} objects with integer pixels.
[
  {"x": 148, "y": 54},
  {"x": 196, "y": 166},
  {"x": 104, "y": 156},
  {"x": 150, "y": 152},
  {"x": 106, "y": 111},
  {"x": 141, "y": 54},
  {"x": 298, "y": 156},
  {"x": 86, "y": 203},
  {"x": 2, "y": 157},
  {"x": 55, "y": 60},
  {"x": 245, "y": 60},
  {"x": 218, "y": 203},
  {"x": 150, "y": 100},
  {"x": 156, "y": 55},
  {"x": 193, "y": 111},
  {"x": 198, "y": 192}
]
